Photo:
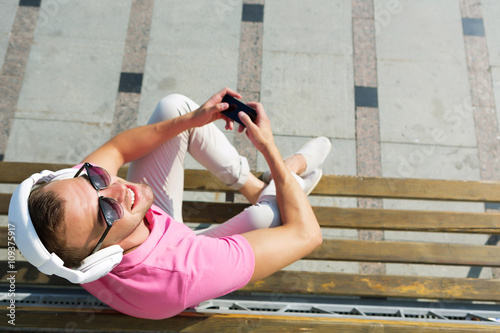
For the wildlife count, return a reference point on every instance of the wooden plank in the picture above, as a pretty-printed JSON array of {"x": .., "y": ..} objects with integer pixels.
[
  {"x": 29, "y": 275},
  {"x": 332, "y": 185},
  {"x": 403, "y": 188},
  {"x": 361, "y": 218},
  {"x": 349, "y": 218},
  {"x": 337, "y": 284},
  {"x": 408, "y": 252},
  {"x": 210, "y": 212},
  {"x": 200, "y": 322},
  {"x": 408, "y": 220},
  {"x": 16, "y": 172},
  {"x": 398, "y": 252},
  {"x": 4, "y": 203},
  {"x": 340, "y": 284}
]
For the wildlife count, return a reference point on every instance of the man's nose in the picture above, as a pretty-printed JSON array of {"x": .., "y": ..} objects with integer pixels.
[{"x": 116, "y": 191}]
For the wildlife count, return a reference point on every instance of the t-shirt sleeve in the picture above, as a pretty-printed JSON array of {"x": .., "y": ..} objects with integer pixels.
[{"x": 218, "y": 266}]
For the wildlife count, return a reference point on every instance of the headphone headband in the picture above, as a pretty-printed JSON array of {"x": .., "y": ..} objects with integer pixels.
[{"x": 32, "y": 248}]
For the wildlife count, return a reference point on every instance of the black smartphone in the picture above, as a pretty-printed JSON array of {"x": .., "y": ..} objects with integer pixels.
[{"x": 236, "y": 106}]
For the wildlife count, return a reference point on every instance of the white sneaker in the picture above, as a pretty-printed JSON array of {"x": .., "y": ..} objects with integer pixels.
[
  {"x": 311, "y": 180},
  {"x": 315, "y": 153}
]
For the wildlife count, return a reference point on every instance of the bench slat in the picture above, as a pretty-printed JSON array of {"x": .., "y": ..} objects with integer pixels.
[
  {"x": 349, "y": 218},
  {"x": 200, "y": 322},
  {"x": 341, "y": 284},
  {"x": 335, "y": 284},
  {"x": 4, "y": 203},
  {"x": 202, "y": 180},
  {"x": 407, "y": 252},
  {"x": 398, "y": 252},
  {"x": 403, "y": 188},
  {"x": 16, "y": 172},
  {"x": 408, "y": 220},
  {"x": 361, "y": 218}
]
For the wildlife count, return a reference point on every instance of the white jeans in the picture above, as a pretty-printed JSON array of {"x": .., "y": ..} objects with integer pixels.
[{"x": 163, "y": 170}]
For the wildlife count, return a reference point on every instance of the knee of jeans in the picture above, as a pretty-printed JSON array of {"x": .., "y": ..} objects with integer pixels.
[
  {"x": 264, "y": 215},
  {"x": 170, "y": 107}
]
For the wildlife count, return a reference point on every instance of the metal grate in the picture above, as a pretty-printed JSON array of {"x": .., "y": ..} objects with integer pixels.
[
  {"x": 389, "y": 310},
  {"x": 296, "y": 306}
]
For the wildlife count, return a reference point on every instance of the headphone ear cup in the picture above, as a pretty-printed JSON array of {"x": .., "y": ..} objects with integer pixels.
[{"x": 101, "y": 263}]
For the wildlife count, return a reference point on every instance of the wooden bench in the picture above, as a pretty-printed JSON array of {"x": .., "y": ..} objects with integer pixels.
[{"x": 326, "y": 286}]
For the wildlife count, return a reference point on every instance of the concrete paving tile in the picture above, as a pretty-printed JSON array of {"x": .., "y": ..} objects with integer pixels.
[
  {"x": 125, "y": 116},
  {"x": 362, "y": 9},
  {"x": 419, "y": 30},
  {"x": 471, "y": 8},
  {"x": 488, "y": 143},
  {"x": 137, "y": 36},
  {"x": 177, "y": 25},
  {"x": 8, "y": 8},
  {"x": 20, "y": 41},
  {"x": 481, "y": 88},
  {"x": 491, "y": 12},
  {"x": 288, "y": 28},
  {"x": 477, "y": 53},
  {"x": 429, "y": 161},
  {"x": 368, "y": 142},
  {"x": 9, "y": 92},
  {"x": 425, "y": 102},
  {"x": 365, "y": 62},
  {"x": 340, "y": 161},
  {"x": 197, "y": 75},
  {"x": 34, "y": 140},
  {"x": 89, "y": 19},
  {"x": 68, "y": 79},
  {"x": 250, "y": 60},
  {"x": 309, "y": 94}
]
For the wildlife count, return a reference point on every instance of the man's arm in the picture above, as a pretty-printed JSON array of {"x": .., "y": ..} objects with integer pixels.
[
  {"x": 137, "y": 142},
  {"x": 300, "y": 233}
]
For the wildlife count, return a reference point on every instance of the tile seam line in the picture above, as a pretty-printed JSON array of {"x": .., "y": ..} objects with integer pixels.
[{"x": 420, "y": 144}]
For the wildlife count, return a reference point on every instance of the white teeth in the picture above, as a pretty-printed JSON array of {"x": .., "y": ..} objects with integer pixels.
[{"x": 132, "y": 197}]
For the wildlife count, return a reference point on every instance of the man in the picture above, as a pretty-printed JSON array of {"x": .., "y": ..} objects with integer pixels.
[{"x": 165, "y": 266}]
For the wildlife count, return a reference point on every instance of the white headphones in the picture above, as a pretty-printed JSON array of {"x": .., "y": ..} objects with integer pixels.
[{"x": 93, "y": 267}]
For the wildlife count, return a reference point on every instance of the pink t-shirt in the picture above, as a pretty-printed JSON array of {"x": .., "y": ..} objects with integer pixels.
[{"x": 174, "y": 269}]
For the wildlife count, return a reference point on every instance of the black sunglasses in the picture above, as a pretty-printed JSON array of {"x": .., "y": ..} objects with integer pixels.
[{"x": 111, "y": 210}]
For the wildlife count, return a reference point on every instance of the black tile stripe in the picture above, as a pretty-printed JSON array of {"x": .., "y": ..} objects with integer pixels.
[
  {"x": 30, "y": 3},
  {"x": 366, "y": 97},
  {"x": 473, "y": 26},
  {"x": 492, "y": 205},
  {"x": 1, "y": 157},
  {"x": 253, "y": 13},
  {"x": 130, "y": 82}
]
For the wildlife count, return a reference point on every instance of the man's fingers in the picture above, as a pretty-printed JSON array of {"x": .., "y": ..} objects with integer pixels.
[
  {"x": 223, "y": 92},
  {"x": 223, "y": 106},
  {"x": 251, "y": 127},
  {"x": 231, "y": 92}
]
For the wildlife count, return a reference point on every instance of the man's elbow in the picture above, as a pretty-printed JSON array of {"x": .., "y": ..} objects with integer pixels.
[
  {"x": 317, "y": 239},
  {"x": 314, "y": 238}
]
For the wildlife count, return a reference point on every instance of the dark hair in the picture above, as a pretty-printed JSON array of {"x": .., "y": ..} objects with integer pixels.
[{"x": 46, "y": 209}]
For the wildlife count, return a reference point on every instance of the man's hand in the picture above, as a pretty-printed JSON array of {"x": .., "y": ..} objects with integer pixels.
[
  {"x": 211, "y": 109},
  {"x": 260, "y": 132}
]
